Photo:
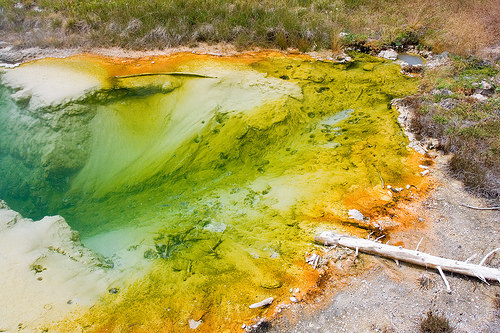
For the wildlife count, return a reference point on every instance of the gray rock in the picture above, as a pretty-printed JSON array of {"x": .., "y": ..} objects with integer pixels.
[
  {"x": 388, "y": 54},
  {"x": 480, "y": 97}
]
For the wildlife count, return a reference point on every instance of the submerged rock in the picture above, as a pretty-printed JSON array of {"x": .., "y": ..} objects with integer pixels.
[
  {"x": 266, "y": 302},
  {"x": 193, "y": 324}
]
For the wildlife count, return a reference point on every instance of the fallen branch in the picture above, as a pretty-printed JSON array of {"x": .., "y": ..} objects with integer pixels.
[
  {"x": 448, "y": 288},
  {"x": 479, "y": 208},
  {"x": 411, "y": 256},
  {"x": 166, "y": 73},
  {"x": 486, "y": 256}
]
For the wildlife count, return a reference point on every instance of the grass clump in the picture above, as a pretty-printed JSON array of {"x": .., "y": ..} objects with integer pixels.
[
  {"x": 435, "y": 323},
  {"x": 496, "y": 303},
  {"x": 448, "y": 109},
  {"x": 301, "y": 24}
]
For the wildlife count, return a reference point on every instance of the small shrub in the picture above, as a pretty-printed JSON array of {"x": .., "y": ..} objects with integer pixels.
[
  {"x": 435, "y": 323},
  {"x": 425, "y": 282},
  {"x": 496, "y": 304}
]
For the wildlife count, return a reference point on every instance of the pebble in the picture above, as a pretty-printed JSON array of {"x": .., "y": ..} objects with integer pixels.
[
  {"x": 294, "y": 299},
  {"x": 193, "y": 324},
  {"x": 356, "y": 215},
  {"x": 425, "y": 172},
  {"x": 262, "y": 303},
  {"x": 480, "y": 97}
]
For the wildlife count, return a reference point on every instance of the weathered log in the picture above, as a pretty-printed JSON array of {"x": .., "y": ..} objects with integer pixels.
[{"x": 411, "y": 256}]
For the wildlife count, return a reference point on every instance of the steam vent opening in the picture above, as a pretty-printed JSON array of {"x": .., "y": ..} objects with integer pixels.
[{"x": 198, "y": 182}]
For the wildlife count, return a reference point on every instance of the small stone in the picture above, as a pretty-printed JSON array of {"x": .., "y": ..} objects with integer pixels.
[
  {"x": 388, "y": 54},
  {"x": 69, "y": 302},
  {"x": 293, "y": 299},
  {"x": 356, "y": 215},
  {"x": 485, "y": 85},
  {"x": 386, "y": 223},
  {"x": 480, "y": 97},
  {"x": 193, "y": 324},
  {"x": 425, "y": 172},
  {"x": 262, "y": 303},
  {"x": 407, "y": 187}
]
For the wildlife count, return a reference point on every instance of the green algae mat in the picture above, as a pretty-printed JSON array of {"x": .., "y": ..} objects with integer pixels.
[{"x": 201, "y": 180}]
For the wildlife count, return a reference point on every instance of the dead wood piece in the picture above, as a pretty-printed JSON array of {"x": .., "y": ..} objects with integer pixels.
[
  {"x": 411, "y": 256},
  {"x": 166, "y": 73},
  {"x": 479, "y": 208}
]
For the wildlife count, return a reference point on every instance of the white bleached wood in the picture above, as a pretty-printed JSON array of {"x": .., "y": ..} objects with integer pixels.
[
  {"x": 411, "y": 256},
  {"x": 416, "y": 249},
  {"x": 479, "y": 208},
  {"x": 471, "y": 257},
  {"x": 489, "y": 254},
  {"x": 448, "y": 288}
]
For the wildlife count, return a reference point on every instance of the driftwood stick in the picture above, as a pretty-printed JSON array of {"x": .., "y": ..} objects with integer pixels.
[
  {"x": 411, "y": 256},
  {"x": 479, "y": 208},
  {"x": 471, "y": 257},
  {"x": 448, "y": 288},
  {"x": 486, "y": 256},
  {"x": 166, "y": 73},
  {"x": 421, "y": 239}
]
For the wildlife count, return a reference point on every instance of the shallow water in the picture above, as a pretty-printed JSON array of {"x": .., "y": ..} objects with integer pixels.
[
  {"x": 411, "y": 59},
  {"x": 210, "y": 186}
]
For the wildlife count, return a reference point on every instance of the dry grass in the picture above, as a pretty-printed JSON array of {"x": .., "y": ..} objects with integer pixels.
[
  {"x": 457, "y": 25},
  {"x": 435, "y": 323},
  {"x": 464, "y": 126},
  {"x": 496, "y": 303}
]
